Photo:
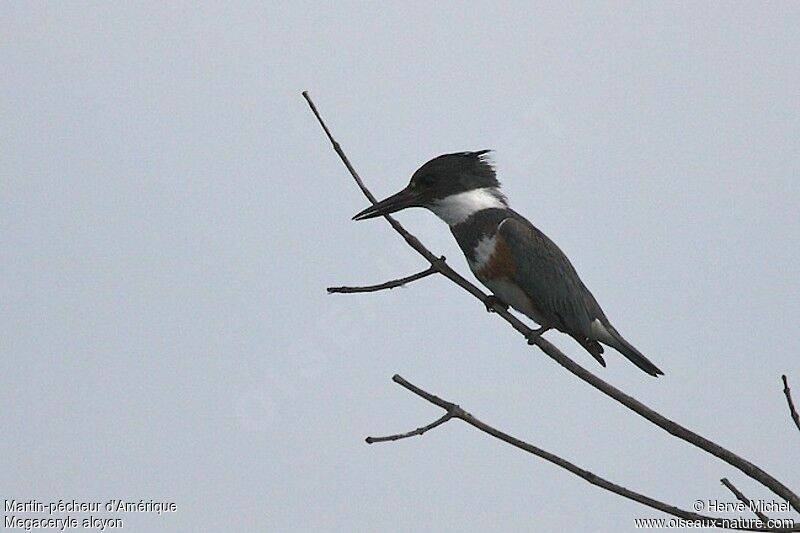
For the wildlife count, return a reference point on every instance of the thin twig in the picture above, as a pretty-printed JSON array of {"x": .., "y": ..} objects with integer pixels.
[
  {"x": 388, "y": 285},
  {"x": 792, "y": 411},
  {"x": 414, "y": 432},
  {"x": 745, "y": 500},
  {"x": 558, "y": 356},
  {"x": 409, "y": 238},
  {"x": 454, "y": 411}
]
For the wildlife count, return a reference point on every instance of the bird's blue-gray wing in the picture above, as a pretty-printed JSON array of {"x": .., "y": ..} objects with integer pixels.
[{"x": 548, "y": 278}]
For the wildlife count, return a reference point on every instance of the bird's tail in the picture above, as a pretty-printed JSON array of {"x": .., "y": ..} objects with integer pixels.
[{"x": 618, "y": 342}]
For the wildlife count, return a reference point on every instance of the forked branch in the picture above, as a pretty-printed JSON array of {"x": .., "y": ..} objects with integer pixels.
[{"x": 453, "y": 410}]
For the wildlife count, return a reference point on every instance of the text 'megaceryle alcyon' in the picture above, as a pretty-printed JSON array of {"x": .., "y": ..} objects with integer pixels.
[{"x": 516, "y": 261}]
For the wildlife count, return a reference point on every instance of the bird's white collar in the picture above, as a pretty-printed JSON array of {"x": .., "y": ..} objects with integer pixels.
[{"x": 457, "y": 208}]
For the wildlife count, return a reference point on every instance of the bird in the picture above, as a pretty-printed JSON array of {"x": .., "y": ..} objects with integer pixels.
[{"x": 522, "y": 267}]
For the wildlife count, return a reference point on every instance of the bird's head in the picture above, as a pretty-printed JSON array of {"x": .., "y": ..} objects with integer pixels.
[{"x": 453, "y": 186}]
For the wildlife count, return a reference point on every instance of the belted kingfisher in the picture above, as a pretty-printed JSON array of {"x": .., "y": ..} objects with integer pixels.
[{"x": 520, "y": 265}]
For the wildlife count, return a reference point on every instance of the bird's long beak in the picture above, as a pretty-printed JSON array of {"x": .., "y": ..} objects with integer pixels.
[{"x": 396, "y": 202}]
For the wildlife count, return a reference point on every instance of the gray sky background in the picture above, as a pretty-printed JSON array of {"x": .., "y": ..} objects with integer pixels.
[{"x": 171, "y": 216}]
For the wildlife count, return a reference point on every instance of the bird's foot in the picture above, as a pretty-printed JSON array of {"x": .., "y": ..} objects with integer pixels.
[
  {"x": 492, "y": 302},
  {"x": 535, "y": 334}
]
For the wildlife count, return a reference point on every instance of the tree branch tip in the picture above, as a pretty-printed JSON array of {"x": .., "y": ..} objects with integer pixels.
[
  {"x": 745, "y": 500},
  {"x": 792, "y": 409}
]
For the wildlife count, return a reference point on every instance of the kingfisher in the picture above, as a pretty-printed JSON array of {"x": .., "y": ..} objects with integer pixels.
[{"x": 520, "y": 265}]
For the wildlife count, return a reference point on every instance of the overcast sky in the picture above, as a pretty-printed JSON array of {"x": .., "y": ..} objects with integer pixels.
[{"x": 172, "y": 214}]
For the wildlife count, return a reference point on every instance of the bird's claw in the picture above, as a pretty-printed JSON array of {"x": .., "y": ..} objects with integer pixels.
[
  {"x": 535, "y": 334},
  {"x": 492, "y": 302}
]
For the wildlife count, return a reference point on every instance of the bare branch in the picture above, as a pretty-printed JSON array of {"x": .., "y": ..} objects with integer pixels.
[
  {"x": 454, "y": 411},
  {"x": 414, "y": 432},
  {"x": 745, "y": 500},
  {"x": 558, "y": 356},
  {"x": 339, "y": 151},
  {"x": 388, "y": 285},
  {"x": 792, "y": 411}
]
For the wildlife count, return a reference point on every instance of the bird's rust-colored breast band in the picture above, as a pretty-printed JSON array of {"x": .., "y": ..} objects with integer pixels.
[{"x": 501, "y": 264}]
